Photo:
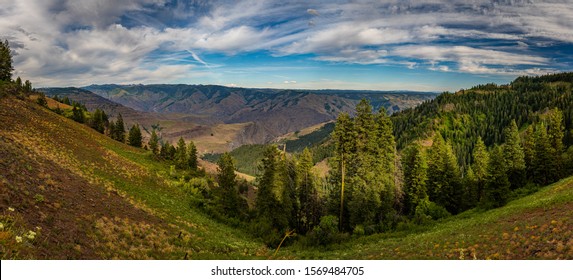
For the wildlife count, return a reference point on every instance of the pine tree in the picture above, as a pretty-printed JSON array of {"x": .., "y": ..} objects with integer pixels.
[
  {"x": 470, "y": 189},
  {"x": 498, "y": 185},
  {"x": 267, "y": 204},
  {"x": 181, "y": 156},
  {"x": 344, "y": 137},
  {"x": 528, "y": 143},
  {"x": 415, "y": 167},
  {"x": 119, "y": 129},
  {"x": 309, "y": 215},
  {"x": 514, "y": 157},
  {"x": 556, "y": 133},
  {"x": 77, "y": 115},
  {"x": 96, "y": 122},
  {"x": 227, "y": 179},
  {"x": 154, "y": 143},
  {"x": 543, "y": 156},
  {"x": 385, "y": 162},
  {"x": 167, "y": 151},
  {"x": 6, "y": 67},
  {"x": 444, "y": 177},
  {"x": 111, "y": 130},
  {"x": 135, "y": 138},
  {"x": 192, "y": 156},
  {"x": 480, "y": 168},
  {"x": 288, "y": 182}
]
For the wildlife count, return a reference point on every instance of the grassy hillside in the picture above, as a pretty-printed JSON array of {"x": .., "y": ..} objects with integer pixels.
[
  {"x": 539, "y": 226},
  {"x": 68, "y": 192}
]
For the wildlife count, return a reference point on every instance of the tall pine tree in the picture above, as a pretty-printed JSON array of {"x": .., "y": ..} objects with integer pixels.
[
  {"x": 135, "y": 138},
  {"x": 514, "y": 157},
  {"x": 227, "y": 179},
  {"x": 415, "y": 167}
]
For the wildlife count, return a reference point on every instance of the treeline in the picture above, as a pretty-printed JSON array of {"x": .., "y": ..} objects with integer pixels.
[
  {"x": 485, "y": 111},
  {"x": 98, "y": 120}
]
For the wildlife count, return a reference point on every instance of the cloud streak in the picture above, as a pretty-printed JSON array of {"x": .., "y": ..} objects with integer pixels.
[{"x": 64, "y": 42}]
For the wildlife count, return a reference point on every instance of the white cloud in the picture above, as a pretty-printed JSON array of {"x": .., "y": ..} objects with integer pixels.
[
  {"x": 63, "y": 40},
  {"x": 312, "y": 12},
  {"x": 357, "y": 56},
  {"x": 469, "y": 60}
]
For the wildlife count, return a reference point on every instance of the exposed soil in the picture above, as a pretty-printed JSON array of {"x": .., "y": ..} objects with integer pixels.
[{"x": 46, "y": 197}]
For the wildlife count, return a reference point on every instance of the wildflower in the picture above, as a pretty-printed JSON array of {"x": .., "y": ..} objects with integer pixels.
[
  {"x": 31, "y": 235},
  {"x": 10, "y": 209},
  {"x": 18, "y": 239},
  {"x": 1, "y": 226}
]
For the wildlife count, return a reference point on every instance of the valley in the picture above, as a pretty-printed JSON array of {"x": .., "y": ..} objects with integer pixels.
[{"x": 220, "y": 119}]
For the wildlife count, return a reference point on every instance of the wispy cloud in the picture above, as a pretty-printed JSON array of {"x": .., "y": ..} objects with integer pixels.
[{"x": 81, "y": 42}]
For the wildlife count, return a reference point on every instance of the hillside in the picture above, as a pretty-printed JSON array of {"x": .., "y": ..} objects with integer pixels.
[
  {"x": 485, "y": 111},
  {"x": 208, "y": 135},
  {"x": 539, "y": 226},
  {"x": 273, "y": 112},
  {"x": 85, "y": 196}
]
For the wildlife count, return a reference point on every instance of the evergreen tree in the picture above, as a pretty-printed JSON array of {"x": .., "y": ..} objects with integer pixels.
[
  {"x": 192, "y": 156},
  {"x": 227, "y": 179},
  {"x": 385, "y": 163},
  {"x": 167, "y": 151},
  {"x": 271, "y": 218},
  {"x": 28, "y": 87},
  {"x": 98, "y": 120},
  {"x": 480, "y": 169},
  {"x": 288, "y": 182},
  {"x": 309, "y": 213},
  {"x": 529, "y": 151},
  {"x": 6, "y": 67},
  {"x": 514, "y": 157},
  {"x": 415, "y": 167},
  {"x": 119, "y": 129},
  {"x": 471, "y": 190},
  {"x": 344, "y": 137},
  {"x": 444, "y": 178},
  {"x": 154, "y": 143},
  {"x": 181, "y": 156},
  {"x": 77, "y": 115},
  {"x": 111, "y": 130},
  {"x": 135, "y": 138},
  {"x": 497, "y": 186},
  {"x": 556, "y": 133},
  {"x": 542, "y": 165}
]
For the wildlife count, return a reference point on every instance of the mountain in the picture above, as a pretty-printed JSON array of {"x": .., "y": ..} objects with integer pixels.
[
  {"x": 209, "y": 136},
  {"x": 272, "y": 112}
]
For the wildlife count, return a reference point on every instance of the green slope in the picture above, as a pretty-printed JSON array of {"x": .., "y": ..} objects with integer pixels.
[
  {"x": 539, "y": 226},
  {"x": 87, "y": 196}
]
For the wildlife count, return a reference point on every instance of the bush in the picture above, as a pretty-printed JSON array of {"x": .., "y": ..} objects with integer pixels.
[
  {"x": 428, "y": 210},
  {"x": 263, "y": 228},
  {"x": 326, "y": 232},
  {"x": 358, "y": 230}
]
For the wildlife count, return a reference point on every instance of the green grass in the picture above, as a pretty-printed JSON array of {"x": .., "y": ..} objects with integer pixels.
[{"x": 539, "y": 226}]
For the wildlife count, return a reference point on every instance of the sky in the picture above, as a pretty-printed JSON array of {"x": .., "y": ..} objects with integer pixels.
[{"x": 424, "y": 45}]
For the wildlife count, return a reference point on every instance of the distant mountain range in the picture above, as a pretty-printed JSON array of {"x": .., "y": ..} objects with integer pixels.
[{"x": 226, "y": 117}]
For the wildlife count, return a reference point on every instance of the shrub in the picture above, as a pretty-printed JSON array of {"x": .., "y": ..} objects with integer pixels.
[
  {"x": 326, "y": 232},
  {"x": 428, "y": 210}
]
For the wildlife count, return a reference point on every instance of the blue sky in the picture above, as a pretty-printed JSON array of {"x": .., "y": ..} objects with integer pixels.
[{"x": 426, "y": 45}]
